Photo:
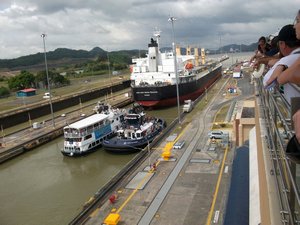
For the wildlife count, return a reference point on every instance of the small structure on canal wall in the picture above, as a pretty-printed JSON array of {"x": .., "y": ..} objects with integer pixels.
[{"x": 26, "y": 92}]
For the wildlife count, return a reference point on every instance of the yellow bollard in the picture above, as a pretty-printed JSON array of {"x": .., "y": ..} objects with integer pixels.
[
  {"x": 112, "y": 219},
  {"x": 166, "y": 154}
]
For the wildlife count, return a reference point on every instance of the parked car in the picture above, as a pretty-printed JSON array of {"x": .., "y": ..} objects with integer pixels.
[
  {"x": 216, "y": 134},
  {"x": 47, "y": 95},
  {"x": 178, "y": 144}
]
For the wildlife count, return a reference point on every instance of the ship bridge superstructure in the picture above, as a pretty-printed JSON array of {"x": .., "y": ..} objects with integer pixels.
[{"x": 157, "y": 68}]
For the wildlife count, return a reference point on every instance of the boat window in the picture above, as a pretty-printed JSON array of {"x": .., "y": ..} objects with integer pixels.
[
  {"x": 132, "y": 135},
  {"x": 138, "y": 135},
  {"x": 96, "y": 124},
  {"x": 127, "y": 135},
  {"x": 67, "y": 130},
  {"x": 87, "y": 137},
  {"x": 73, "y": 139}
]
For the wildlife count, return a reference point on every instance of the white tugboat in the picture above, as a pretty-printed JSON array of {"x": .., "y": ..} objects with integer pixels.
[{"x": 137, "y": 131}]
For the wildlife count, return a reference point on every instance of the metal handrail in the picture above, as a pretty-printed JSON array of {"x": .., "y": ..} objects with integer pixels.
[{"x": 276, "y": 108}]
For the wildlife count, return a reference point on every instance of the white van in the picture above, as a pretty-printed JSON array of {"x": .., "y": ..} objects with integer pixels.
[{"x": 188, "y": 106}]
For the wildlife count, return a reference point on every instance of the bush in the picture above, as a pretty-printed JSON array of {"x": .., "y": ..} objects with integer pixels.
[{"x": 4, "y": 91}]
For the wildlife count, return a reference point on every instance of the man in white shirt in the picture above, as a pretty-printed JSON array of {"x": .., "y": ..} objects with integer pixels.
[{"x": 289, "y": 46}]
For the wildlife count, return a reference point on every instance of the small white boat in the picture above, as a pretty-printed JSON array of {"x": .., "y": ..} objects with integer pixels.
[{"x": 87, "y": 135}]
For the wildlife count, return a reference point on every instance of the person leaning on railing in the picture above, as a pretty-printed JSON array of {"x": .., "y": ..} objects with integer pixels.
[
  {"x": 262, "y": 48},
  {"x": 292, "y": 75},
  {"x": 271, "y": 56},
  {"x": 289, "y": 47}
]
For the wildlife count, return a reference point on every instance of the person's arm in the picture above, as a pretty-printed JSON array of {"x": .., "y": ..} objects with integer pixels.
[
  {"x": 290, "y": 75},
  {"x": 277, "y": 71},
  {"x": 296, "y": 120},
  {"x": 272, "y": 61}
]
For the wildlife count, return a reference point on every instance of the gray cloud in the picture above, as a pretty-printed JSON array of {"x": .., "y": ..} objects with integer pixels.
[{"x": 129, "y": 24}]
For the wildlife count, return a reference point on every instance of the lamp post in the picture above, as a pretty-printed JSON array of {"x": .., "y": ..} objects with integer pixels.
[
  {"x": 172, "y": 19},
  {"x": 49, "y": 89},
  {"x": 109, "y": 74}
]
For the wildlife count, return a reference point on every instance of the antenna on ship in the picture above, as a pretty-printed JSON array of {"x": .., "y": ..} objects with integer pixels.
[
  {"x": 156, "y": 34},
  {"x": 172, "y": 19}
]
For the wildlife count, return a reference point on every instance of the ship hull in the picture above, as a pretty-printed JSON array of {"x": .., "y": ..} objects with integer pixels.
[{"x": 165, "y": 96}]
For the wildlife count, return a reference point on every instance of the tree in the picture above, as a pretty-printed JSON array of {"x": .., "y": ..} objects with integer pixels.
[
  {"x": 55, "y": 79},
  {"x": 4, "y": 91},
  {"x": 23, "y": 80}
]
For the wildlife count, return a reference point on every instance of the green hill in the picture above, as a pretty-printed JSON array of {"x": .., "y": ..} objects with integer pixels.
[{"x": 64, "y": 56}]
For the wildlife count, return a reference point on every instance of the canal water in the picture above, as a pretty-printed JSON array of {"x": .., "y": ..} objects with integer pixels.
[{"x": 45, "y": 187}]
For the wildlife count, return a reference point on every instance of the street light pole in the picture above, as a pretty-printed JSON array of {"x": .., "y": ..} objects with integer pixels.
[
  {"x": 172, "y": 19},
  {"x": 49, "y": 89},
  {"x": 109, "y": 74}
]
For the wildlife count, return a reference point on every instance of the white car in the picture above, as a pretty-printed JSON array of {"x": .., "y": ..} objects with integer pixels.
[
  {"x": 216, "y": 134},
  {"x": 47, "y": 95},
  {"x": 178, "y": 144}
]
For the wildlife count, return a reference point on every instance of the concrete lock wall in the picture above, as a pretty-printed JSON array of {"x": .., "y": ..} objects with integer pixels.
[{"x": 21, "y": 116}]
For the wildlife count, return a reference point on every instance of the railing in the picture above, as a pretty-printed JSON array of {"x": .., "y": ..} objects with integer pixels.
[{"x": 277, "y": 114}]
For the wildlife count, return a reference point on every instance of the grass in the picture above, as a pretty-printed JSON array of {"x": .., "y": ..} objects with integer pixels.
[{"x": 77, "y": 85}]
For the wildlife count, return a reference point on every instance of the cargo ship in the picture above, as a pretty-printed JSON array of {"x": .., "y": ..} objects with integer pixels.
[{"x": 153, "y": 78}]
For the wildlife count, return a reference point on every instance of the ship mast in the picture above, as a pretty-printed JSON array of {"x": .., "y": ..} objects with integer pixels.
[{"x": 156, "y": 34}]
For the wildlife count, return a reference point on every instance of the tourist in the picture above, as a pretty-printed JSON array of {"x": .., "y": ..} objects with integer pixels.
[
  {"x": 262, "y": 48},
  {"x": 272, "y": 56},
  {"x": 292, "y": 74},
  {"x": 273, "y": 47},
  {"x": 289, "y": 47}
]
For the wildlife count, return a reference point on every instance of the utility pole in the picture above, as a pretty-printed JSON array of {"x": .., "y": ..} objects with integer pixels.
[
  {"x": 49, "y": 89},
  {"x": 172, "y": 19}
]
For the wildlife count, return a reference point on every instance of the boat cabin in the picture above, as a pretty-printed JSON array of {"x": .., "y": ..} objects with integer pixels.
[{"x": 85, "y": 127}]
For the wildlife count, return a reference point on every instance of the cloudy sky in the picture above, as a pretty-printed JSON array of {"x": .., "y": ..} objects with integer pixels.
[{"x": 129, "y": 24}]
